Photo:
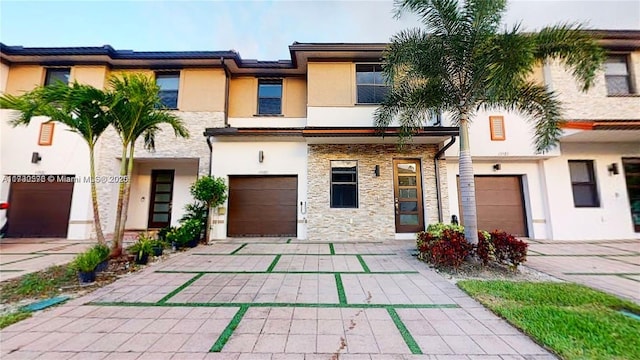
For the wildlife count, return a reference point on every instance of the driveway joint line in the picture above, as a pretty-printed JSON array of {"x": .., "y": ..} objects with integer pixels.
[
  {"x": 295, "y": 254},
  {"x": 273, "y": 264},
  {"x": 363, "y": 264},
  {"x": 228, "y": 331},
  {"x": 332, "y": 251},
  {"x": 342, "y": 297},
  {"x": 286, "y": 272},
  {"x": 17, "y": 261},
  {"x": 599, "y": 274},
  {"x": 406, "y": 334},
  {"x": 238, "y": 249},
  {"x": 279, "y": 305},
  {"x": 180, "y": 288}
]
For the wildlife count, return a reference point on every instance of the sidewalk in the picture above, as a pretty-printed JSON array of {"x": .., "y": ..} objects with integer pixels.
[
  {"x": 611, "y": 266},
  {"x": 254, "y": 301}
]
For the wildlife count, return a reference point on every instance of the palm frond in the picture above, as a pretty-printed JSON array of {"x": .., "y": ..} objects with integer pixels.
[{"x": 577, "y": 49}]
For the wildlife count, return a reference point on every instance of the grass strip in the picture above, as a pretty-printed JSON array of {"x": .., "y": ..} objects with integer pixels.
[
  {"x": 279, "y": 305},
  {"x": 10, "y": 270},
  {"x": 12, "y": 318},
  {"x": 273, "y": 264},
  {"x": 289, "y": 241},
  {"x": 286, "y": 272},
  {"x": 342, "y": 297},
  {"x": 228, "y": 331},
  {"x": 180, "y": 288},
  {"x": 629, "y": 278},
  {"x": 406, "y": 335},
  {"x": 572, "y": 320},
  {"x": 363, "y": 264},
  {"x": 238, "y": 249},
  {"x": 332, "y": 251}
]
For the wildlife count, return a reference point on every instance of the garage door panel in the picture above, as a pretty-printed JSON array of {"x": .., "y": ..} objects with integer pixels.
[
  {"x": 499, "y": 204},
  {"x": 39, "y": 209},
  {"x": 268, "y": 197},
  {"x": 262, "y": 206}
]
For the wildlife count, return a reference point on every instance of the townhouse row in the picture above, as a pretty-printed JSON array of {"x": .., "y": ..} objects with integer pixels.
[{"x": 295, "y": 141}]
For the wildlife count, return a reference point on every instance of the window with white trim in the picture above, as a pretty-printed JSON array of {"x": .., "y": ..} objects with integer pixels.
[
  {"x": 583, "y": 183},
  {"x": 617, "y": 75}
]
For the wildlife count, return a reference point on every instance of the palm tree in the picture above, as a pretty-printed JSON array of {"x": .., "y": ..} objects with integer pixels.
[
  {"x": 461, "y": 62},
  {"x": 136, "y": 112},
  {"x": 82, "y": 108}
]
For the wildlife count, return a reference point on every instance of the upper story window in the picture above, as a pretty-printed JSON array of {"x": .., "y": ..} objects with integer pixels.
[
  {"x": 371, "y": 86},
  {"x": 57, "y": 74},
  {"x": 344, "y": 184},
  {"x": 269, "y": 97},
  {"x": 583, "y": 183},
  {"x": 169, "y": 82},
  {"x": 617, "y": 75}
]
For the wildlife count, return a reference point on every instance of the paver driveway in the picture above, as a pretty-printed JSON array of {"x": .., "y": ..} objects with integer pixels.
[{"x": 274, "y": 301}]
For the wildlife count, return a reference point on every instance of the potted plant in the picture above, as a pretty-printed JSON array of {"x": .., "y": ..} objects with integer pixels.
[
  {"x": 102, "y": 251},
  {"x": 85, "y": 263},
  {"x": 157, "y": 246},
  {"x": 191, "y": 232},
  {"x": 142, "y": 249}
]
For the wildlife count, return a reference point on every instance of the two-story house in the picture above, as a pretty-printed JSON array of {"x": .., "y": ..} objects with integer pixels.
[{"x": 295, "y": 141}]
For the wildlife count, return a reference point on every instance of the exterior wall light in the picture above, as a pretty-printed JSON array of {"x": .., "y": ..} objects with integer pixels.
[
  {"x": 613, "y": 169},
  {"x": 35, "y": 158},
  {"x": 496, "y": 167},
  {"x": 260, "y": 156},
  {"x": 376, "y": 170}
]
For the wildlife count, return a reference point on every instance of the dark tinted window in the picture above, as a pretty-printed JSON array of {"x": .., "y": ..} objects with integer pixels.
[
  {"x": 270, "y": 97},
  {"x": 169, "y": 84},
  {"x": 583, "y": 183},
  {"x": 370, "y": 83},
  {"x": 57, "y": 74},
  {"x": 344, "y": 184}
]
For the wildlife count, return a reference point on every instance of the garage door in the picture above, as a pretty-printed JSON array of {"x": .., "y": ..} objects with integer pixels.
[
  {"x": 39, "y": 209},
  {"x": 262, "y": 206},
  {"x": 499, "y": 204}
]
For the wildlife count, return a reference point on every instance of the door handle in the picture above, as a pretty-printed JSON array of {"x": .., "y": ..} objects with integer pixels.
[{"x": 397, "y": 206}]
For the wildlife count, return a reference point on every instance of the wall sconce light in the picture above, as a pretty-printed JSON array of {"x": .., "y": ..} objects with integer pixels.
[
  {"x": 260, "y": 156},
  {"x": 613, "y": 169},
  {"x": 376, "y": 170},
  {"x": 496, "y": 167},
  {"x": 35, "y": 158}
]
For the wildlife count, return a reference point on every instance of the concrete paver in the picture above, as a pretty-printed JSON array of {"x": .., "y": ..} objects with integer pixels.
[
  {"x": 611, "y": 266},
  {"x": 274, "y": 301}
]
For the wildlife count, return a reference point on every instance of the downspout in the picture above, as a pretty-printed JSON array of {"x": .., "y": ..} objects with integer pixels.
[
  {"x": 210, "y": 152},
  {"x": 437, "y": 171},
  {"x": 227, "y": 77}
]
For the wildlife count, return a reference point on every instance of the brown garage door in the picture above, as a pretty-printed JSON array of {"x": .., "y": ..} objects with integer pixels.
[
  {"x": 262, "y": 206},
  {"x": 499, "y": 204},
  {"x": 39, "y": 209}
]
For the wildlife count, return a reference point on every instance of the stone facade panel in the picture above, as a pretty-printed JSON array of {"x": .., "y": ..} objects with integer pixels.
[{"x": 374, "y": 219}]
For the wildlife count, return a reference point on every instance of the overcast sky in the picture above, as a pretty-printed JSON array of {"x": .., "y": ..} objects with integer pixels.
[{"x": 257, "y": 29}]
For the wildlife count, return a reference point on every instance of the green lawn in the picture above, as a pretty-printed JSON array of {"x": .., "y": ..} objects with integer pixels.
[{"x": 574, "y": 321}]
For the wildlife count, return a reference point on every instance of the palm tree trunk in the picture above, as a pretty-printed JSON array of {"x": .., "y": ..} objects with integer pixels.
[
  {"x": 207, "y": 226},
  {"x": 127, "y": 191},
  {"x": 467, "y": 185},
  {"x": 116, "y": 246},
  {"x": 94, "y": 198}
]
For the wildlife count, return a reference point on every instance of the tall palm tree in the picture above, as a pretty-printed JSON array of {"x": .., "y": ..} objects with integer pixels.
[
  {"x": 136, "y": 113},
  {"x": 461, "y": 62},
  {"x": 82, "y": 108}
]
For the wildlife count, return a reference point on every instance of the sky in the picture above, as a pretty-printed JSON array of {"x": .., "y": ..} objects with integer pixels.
[{"x": 257, "y": 29}]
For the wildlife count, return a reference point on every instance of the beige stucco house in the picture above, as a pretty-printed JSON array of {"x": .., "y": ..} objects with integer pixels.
[{"x": 295, "y": 141}]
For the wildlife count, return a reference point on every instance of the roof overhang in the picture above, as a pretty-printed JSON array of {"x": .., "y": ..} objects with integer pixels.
[
  {"x": 336, "y": 135},
  {"x": 601, "y": 131}
]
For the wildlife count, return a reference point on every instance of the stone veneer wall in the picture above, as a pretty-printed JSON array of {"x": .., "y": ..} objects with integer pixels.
[
  {"x": 374, "y": 219},
  {"x": 167, "y": 146}
]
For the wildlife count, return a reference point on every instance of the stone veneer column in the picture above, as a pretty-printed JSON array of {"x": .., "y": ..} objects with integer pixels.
[
  {"x": 374, "y": 219},
  {"x": 167, "y": 147}
]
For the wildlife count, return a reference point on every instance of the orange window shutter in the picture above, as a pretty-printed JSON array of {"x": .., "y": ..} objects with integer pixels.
[
  {"x": 46, "y": 134},
  {"x": 496, "y": 124}
]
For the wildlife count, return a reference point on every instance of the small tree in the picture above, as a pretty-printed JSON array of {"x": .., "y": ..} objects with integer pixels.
[{"x": 212, "y": 191}]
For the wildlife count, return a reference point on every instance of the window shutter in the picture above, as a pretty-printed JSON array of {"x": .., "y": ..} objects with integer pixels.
[
  {"x": 46, "y": 134},
  {"x": 496, "y": 123}
]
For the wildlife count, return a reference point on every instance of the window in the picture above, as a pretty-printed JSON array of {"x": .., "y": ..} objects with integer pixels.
[
  {"x": 269, "y": 97},
  {"x": 46, "y": 134},
  {"x": 344, "y": 184},
  {"x": 583, "y": 183},
  {"x": 616, "y": 74},
  {"x": 168, "y": 83},
  {"x": 57, "y": 74},
  {"x": 370, "y": 83},
  {"x": 496, "y": 124}
]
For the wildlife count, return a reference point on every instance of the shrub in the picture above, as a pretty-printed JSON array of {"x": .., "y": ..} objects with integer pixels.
[
  {"x": 102, "y": 251},
  {"x": 508, "y": 249},
  {"x": 437, "y": 229},
  {"x": 450, "y": 250},
  {"x": 87, "y": 261},
  {"x": 485, "y": 248},
  {"x": 144, "y": 245}
]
